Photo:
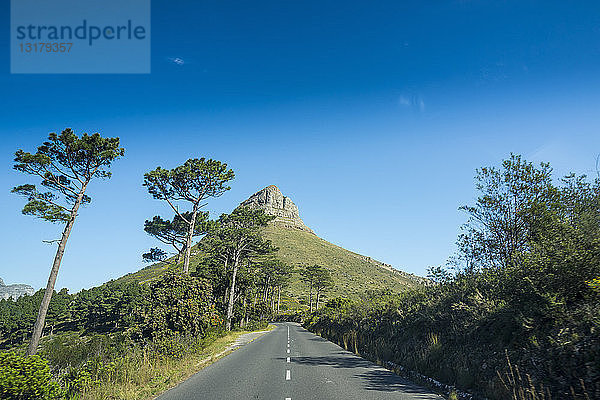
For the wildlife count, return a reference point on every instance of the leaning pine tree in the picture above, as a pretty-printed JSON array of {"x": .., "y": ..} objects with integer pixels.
[
  {"x": 66, "y": 164},
  {"x": 193, "y": 182}
]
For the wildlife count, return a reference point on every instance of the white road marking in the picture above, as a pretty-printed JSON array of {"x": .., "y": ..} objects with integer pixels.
[
  {"x": 288, "y": 350},
  {"x": 287, "y": 360},
  {"x": 288, "y": 398},
  {"x": 288, "y": 345},
  {"x": 288, "y": 375}
]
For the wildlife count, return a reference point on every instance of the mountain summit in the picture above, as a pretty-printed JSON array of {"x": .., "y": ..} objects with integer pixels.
[{"x": 273, "y": 202}]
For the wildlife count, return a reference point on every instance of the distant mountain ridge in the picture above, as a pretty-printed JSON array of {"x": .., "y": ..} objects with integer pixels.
[{"x": 14, "y": 291}]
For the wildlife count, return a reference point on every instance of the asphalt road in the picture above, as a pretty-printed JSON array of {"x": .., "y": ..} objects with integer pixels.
[{"x": 310, "y": 368}]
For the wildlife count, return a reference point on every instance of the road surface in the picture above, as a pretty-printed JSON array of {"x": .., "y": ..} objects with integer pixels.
[{"x": 290, "y": 363}]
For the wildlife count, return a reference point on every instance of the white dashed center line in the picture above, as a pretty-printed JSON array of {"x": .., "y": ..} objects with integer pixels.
[{"x": 288, "y": 373}]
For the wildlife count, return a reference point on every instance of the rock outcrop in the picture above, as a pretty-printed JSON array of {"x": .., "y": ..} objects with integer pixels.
[
  {"x": 14, "y": 291},
  {"x": 275, "y": 203}
]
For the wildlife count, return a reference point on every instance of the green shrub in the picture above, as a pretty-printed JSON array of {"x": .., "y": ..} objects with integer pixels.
[
  {"x": 75, "y": 381},
  {"x": 24, "y": 378},
  {"x": 69, "y": 350},
  {"x": 253, "y": 325},
  {"x": 594, "y": 284},
  {"x": 180, "y": 305}
]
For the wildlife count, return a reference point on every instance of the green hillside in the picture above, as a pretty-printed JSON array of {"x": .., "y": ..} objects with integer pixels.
[{"x": 352, "y": 273}]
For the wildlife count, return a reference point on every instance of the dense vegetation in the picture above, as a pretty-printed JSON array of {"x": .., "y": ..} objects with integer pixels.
[
  {"x": 102, "y": 335},
  {"x": 518, "y": 313}
]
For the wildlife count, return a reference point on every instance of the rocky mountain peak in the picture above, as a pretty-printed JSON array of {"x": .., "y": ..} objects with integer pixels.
[
  {"x": 14, "y": 291},
  {"x": 275, "y": 203}
]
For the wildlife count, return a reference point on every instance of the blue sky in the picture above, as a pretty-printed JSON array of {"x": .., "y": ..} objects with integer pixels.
[{"x": 371, "y": 117}]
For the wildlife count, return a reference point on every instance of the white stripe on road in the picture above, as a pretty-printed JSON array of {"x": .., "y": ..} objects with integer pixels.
[
  {"x": 288, "y": 375},
  {"x": 288, "y": 350},
  {"x": 287, "y": 360},
  {"x": 288, "y": 398}
]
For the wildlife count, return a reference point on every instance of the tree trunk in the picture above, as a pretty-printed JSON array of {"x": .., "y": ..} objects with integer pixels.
[
  {"x": 41, "y": 317},
  {"x": 247, "y": 313},
  {"x": 226, "y": 293},
  {"x": 310, "y": 299},
  {"x": 278, "y": 297},
  {"x": 242, "y": 323},
  {"x": 273, "y": 299},
  {"x": 318, "y": 296},
  {"x": 265, "y": 295},
  {"x": 178, "y": 258},
  {"x": 231, "y": 297},
  {"x": 188, "y": 243}
]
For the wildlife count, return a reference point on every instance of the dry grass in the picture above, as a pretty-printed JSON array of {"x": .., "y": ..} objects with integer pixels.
[{"x": 523, "y": 388}]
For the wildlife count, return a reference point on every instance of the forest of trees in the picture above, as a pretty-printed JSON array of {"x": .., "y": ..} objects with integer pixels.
[{"x": 516, "y": 313}]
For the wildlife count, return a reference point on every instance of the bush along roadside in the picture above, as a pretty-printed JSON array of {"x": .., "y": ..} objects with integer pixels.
[
  {"x": 405, "y": 334},
  {"x": 517, "y": 313},
  {"x": 27, "y": 378},
  {"x": 350, "y": 342}
]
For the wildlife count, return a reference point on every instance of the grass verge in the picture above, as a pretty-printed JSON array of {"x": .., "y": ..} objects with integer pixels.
[{"x": 148, "y": 377}]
